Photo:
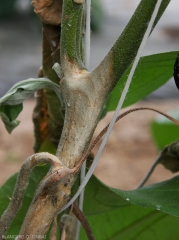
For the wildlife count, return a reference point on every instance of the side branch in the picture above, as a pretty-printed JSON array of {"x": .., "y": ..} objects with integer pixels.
[
  {"x": 21, "y": 185},
  {"x": 85, "y": 93},
  {"x": 125, "y": 48}
]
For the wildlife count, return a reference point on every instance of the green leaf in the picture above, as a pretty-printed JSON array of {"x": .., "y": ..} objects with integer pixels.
[
  {"x": 151, "y": 73},
  {"x": 47, "y": 146},
  {"x": 162, "y": 196},
  {"x": 6, "y": 192},
  {"x": 164, "y": 131},
  {"x": 11, "y": 102},
  {"x": 8, "y": 115},
  {"x": 112, "y": 217}
]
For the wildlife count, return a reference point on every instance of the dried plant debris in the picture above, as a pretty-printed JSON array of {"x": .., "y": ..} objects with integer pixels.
[{"x": 48, "y": 10}]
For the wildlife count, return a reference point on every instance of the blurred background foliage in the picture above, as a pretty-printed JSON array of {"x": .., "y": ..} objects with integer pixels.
[
  {"x": 7, "y": 8},
  {"x": 12, "y": 8},
  {"x": 164, "y": 132}
]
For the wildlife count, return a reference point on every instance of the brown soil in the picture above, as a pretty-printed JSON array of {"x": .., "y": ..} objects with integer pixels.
[{"x": 127, "y": 157}]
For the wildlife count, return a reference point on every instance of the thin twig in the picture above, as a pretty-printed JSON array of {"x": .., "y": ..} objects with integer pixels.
[
  {"x": 101, "y": 134},
  {"x": 80, "y": 216},
  {"x": 148, "y": 174}
]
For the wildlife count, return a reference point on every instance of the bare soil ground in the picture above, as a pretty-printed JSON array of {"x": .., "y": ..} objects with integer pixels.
[{"x": 127, "y": 157}]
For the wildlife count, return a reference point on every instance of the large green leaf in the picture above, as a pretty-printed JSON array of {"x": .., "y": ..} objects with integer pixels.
[
  {"x": 151, "y": 73},
  {"x": 112, "y": 217},
  {"x": 164, "y": 131},
  {"x": 11, "y": 102},
  {"x": 162, "y": 196}
]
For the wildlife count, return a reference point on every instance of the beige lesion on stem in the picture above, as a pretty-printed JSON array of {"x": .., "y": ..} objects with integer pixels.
[
  {"x": 84, "y": 95},
  {"x": 56, "y": 173}
]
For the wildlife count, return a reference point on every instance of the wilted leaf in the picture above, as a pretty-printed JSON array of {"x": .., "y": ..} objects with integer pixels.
[
  {"x": 11, "y": 102},
  {"x": 8, "y": 115}
]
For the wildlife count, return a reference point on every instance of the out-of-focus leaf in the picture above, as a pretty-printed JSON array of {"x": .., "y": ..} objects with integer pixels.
[
  {"x": 47, "y": 146},
  {"x": 151, "y": 73},
  {"x": 169, "y": 157},
  {"x": 164, "y": 131},
  {"x": 97, "y": 15},
  {"x": 112, "y": 217},
  {"x": 11, "y": 102}
]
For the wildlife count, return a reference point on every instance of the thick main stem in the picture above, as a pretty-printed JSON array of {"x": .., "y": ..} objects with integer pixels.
[{"x": 84, "y": 95}]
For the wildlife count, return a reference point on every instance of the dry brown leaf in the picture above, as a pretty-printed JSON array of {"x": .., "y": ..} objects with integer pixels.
[
  {"x": 41, "y": 3},
  {"x": 50, "y": 11}
]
